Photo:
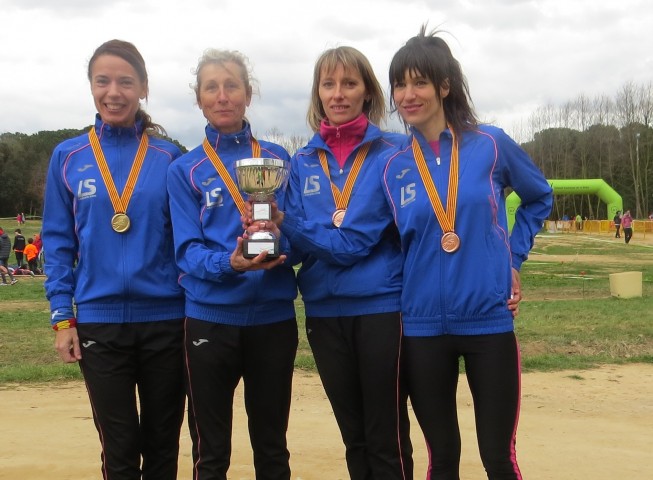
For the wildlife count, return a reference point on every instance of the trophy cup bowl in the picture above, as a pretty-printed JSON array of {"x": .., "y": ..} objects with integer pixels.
[{"x": 260, "y": 178}]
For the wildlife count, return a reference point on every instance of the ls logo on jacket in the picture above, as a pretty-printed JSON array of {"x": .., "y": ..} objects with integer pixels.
[
  {"x": 408, "y": 194},
  {"x": 312, "y": 185},
  {"x": 213, "y": 198},
  {"x": 86, "y": 188}
]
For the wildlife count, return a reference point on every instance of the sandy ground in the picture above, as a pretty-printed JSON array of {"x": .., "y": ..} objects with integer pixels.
[
  {"x": 575, "y": 425},
  {"x": 584, "y": 425}
]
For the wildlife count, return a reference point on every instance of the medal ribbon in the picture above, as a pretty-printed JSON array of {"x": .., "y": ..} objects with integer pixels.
[
  {"x": 447, "y": 219},
  {"x": 342, "y": 199},
  {"x": 224, "y": 173},
  {"x": 121, "y": 202}
]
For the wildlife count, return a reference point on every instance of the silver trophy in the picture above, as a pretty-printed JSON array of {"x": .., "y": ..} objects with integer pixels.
[{"x": 260, "y": 178}]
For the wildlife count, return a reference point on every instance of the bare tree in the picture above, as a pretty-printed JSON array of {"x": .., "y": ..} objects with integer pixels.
[
  {"x": 642, "y": 145},
  {"x": 645, "y": 102},
  {"x": 292, "y": 143},
  {"x": 627, "y": 114},
  {"x": 604, "y": 110}
]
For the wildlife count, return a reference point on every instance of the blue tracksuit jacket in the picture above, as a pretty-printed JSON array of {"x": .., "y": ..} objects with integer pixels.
[
  {"x": 119, "y": 277},
  {"x": 461, "y": 293},
  {"x": 206, "y": 224},
  {"x": 466, "y": 292},
  {"x": 351, "y": 282}
]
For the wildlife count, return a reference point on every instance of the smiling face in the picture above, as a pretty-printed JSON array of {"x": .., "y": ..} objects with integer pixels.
[
  {"x": 223, "y": 95},
  {"x": 342, "y": 93},
  {"x": 419, "y": 104},
  {"x": 117, "y": 90}
]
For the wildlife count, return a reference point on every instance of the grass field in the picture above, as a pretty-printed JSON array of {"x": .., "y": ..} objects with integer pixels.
[{"x": 568, "y": 319}]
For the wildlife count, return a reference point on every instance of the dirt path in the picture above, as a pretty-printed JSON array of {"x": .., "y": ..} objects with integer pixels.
[{"x": 575, "y": 425}]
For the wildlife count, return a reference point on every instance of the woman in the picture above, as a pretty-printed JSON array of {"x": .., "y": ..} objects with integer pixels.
[
  {"x": 240, "y": 313},
  {"x": 627, "y": 222},
  {"x": 446, "y": 186},
  {"x": 352, "y": 304},
  {"x": 102, "y": 215}
]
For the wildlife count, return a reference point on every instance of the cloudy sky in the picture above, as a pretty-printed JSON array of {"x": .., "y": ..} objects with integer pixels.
[{"x": 517, "y": 55}]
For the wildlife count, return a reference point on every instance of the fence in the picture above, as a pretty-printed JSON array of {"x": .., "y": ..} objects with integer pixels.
[{"x": 640, "y": 227}]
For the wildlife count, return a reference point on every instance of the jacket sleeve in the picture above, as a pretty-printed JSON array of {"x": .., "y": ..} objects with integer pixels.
[
  {"x": 192, "y": 254},
  {"x": 363, "y": 227},
  {"x": 60, "y": 240},
  {"x": 535, "y": 193},
  {"x": 292, "y": 205}
]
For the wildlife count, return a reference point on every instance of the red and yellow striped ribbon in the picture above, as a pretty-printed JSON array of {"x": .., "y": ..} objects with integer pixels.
[
  {"x": 341, "y": 199},
  {"x": 446, "y": 218},
  {"x": 119, "y": 203},
  {"x": 224, "y": 173}
]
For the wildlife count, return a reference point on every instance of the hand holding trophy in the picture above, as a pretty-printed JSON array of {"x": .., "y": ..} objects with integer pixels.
[{"x": 260, "y": 178}]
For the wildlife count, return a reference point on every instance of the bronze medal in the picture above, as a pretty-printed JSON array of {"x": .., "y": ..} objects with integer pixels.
[
  {"x": 338, "y": 217},
  {"x": 341, "y": 199},
  {"x": 120, "y": 222},
  {"x": 450, "y": 242}
]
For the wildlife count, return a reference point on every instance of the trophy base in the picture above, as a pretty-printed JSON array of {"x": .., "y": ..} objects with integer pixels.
[{"x": 253, "y": 247}]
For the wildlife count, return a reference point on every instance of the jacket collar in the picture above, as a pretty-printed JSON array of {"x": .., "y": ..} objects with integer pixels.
[
  {"x": 227, "y": 141},
  {"x": 372, "y": 133},
  {"x": 104, "y": 130}
]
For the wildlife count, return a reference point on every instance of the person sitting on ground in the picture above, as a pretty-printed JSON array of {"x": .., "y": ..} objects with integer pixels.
[{"x": 21, "y": 270}]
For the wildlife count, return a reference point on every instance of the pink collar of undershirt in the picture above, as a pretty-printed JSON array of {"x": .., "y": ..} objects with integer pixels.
[
  {"x": 342, "y": 139},
  {"x": 435, "y": 146}
]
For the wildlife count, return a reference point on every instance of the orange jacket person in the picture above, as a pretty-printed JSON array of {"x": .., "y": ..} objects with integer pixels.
[{"x": 31, "y": 253}]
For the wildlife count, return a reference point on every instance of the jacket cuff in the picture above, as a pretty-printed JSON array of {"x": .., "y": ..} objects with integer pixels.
[
  {"x": 224, "y": 264},
  {"x": 61, "y": 308},
  {"x": 517, "y": 260}
]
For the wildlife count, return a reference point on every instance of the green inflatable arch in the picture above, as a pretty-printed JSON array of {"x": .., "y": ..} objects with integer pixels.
[{"x": 593, "y": 186}]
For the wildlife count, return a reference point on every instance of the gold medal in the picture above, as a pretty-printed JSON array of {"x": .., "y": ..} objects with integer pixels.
[
  {"x": 450, "y": 242},
  {"x": 120, "y": 222},
  {"x": 338, "y": 217}
]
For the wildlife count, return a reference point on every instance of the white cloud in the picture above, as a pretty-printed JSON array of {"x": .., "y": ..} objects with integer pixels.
[{"x": 517, "y": 55}]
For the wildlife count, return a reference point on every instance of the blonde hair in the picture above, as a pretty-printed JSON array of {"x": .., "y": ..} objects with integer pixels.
[
  {"x": 350, "y": 59},
  {"x": 220, "y": 57}
]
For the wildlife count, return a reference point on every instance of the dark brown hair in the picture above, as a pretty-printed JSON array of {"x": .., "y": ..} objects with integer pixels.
[
  {"x": 429, "y": 56},
  {"x": 129, "y": 53}
]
